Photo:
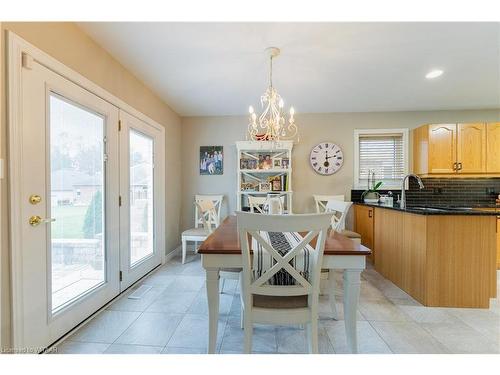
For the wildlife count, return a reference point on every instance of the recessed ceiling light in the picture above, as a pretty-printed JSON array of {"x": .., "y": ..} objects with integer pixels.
[{"x": 434, "y": 74}]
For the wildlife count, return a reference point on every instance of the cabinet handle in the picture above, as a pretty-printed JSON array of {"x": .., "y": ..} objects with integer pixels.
[
  {"x": 455, "y": 166},
  {"x": 459, "y": 166},
  {"x": 370, "y": 213}
]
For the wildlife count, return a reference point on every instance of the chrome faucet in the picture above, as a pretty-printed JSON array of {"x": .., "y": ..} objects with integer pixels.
[{"x": 402, "y": 203}]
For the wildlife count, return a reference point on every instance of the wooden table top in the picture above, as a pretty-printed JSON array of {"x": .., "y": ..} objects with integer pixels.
[{"x": 224, "y": 240}]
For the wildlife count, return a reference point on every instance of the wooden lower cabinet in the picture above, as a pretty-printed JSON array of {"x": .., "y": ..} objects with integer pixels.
[
  {"x": 498, "y": 242},
  {"x": 363, "y": 224},
  {"x": 440, "y": 260}
]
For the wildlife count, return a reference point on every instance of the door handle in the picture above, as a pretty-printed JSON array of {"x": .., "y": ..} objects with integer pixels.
[{"x": 37, "y": 220}]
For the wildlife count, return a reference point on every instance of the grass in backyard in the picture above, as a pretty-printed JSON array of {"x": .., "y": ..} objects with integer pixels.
[{"x": 69, "y": 221}]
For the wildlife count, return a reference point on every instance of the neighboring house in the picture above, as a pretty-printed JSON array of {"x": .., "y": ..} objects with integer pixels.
[
  {"x": 140, "y": 180},
  {"x": 70, "y": 187}
]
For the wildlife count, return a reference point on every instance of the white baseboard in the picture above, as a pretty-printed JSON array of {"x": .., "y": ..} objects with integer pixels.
[{"x": 172, "y": 254}]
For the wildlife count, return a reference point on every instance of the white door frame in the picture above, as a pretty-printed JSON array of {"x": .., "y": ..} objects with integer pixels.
[{"x": 17, "y": 50}]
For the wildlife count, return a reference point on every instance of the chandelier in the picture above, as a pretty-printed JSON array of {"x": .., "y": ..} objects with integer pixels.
[{"x": 272, "y": 125}]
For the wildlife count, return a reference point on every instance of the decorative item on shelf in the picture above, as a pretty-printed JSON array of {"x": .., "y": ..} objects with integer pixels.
[
  {"x": 264, "y": 186},
  {"x": 285, "y": 163},
  {"x": 211, "y": 160},
  {"x": 271, "y": 125},
  {"x": 371, "y": 195},
  {"x": 277, "y": 163},
  {"x": 249, "y": 186},
  {"x": 244, "y": 163},
  {"x": 274, "y": 204}
]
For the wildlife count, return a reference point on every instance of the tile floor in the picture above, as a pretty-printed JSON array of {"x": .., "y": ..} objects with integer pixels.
[{"x": 172, "y": 318}]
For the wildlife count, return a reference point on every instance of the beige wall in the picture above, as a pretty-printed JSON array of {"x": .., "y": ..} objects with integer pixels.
[
  {"x": 70, "y": 45},
  {"x": 314, "y": 128}
]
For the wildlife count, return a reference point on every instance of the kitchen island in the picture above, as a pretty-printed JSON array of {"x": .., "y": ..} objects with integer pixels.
[{"x": 440, "y": 256}]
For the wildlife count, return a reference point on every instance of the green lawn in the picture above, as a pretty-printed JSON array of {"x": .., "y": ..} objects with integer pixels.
[{"x": 69, "y": 221}]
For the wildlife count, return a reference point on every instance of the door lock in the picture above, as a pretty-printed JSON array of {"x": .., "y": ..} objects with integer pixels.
[
  {"x": 35, "y": 199},
  {"x": 36, "y": 220}
]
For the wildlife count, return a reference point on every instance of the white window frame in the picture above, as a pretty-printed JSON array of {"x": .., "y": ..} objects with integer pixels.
[{"x": 406, "y": 160}]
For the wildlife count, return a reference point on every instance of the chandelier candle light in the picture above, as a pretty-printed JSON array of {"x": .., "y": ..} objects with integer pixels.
[{"x": 272, "y": 125}]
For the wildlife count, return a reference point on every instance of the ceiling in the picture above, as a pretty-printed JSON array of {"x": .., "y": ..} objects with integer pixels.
[{"x": 211, "y": 69}]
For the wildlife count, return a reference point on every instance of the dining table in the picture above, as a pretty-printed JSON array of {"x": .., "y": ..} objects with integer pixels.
[{"x": 222, "y": 250}]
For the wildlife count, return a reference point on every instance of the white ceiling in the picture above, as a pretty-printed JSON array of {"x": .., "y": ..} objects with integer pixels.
[{"x": 204, "y": 69}]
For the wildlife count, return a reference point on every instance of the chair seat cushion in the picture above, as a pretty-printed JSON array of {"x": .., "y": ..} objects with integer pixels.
[
  {"x": 195, "y": 232},
  {"x": 349, "y": 233},
  {"x": 279, "y": 302}
]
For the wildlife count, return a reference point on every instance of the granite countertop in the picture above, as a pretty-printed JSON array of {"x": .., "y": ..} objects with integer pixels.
[{"x": 440, "y": 210}]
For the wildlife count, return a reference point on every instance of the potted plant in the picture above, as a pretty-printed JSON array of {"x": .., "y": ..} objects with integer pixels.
[{"x": 371, "y": 195}]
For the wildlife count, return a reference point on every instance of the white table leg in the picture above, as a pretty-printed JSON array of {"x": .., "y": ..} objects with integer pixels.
[
  {"x": 212, "y": 277},
  {"x": 352, "y": 285}
]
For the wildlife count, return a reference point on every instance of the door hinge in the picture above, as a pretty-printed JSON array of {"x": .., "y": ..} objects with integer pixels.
[
  {"x": 26, "y": 61},
  {"x": 121, "y": 276},
  {"x": 119, "y": 125},
  {"x": 120, "y": 200}
]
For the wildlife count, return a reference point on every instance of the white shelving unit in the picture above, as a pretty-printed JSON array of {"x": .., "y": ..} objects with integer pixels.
[{"x": 257, "y": 164}]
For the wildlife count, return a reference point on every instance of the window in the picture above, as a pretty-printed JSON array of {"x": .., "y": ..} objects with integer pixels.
[{"x": 384, "y": 151}]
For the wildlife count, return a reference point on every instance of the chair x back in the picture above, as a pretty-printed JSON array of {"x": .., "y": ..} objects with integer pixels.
[
  {"x": 255, "y": 203},
  {"x": 322, "y": 200},
  {"x": 263, "y": 299},
  {"x": 340, "y": 210},
  {"x": 216, "y": 201}
]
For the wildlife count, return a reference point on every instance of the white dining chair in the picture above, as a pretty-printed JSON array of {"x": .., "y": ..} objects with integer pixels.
[
  {"x": 340, "y": 210},
  {"x": 256, "y": 204},
  {"x": 321, "y": 201},
  {"x": 210, "y": 222},
  {"x": 265, "y": 299},
  {"x": 199, "y": 233}
]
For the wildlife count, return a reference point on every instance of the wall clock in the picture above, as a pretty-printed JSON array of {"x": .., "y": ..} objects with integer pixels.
[{"x": 326, "y": 158}]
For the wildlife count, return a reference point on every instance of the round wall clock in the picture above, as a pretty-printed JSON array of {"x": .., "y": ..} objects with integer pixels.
[{"x": 326, "y": 158}]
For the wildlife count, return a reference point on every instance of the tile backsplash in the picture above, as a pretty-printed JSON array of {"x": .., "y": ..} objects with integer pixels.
[{"x": 458, "y": 192}]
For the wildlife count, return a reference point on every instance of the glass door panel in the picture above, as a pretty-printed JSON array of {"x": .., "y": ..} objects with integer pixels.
[
  {"x": 77, "y": 191},
  {"x": 141, "y": 197}
]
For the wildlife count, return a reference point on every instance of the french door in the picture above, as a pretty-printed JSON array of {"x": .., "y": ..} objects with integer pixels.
[
  {"x": 141, "y": 191},
  {"x": 88, "y": 212}
]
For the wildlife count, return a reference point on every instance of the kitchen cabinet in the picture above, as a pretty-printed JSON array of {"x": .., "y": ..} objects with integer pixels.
[
  {"x": 442, "y": 148},
  {"x": 493, "y": 147},
  {"x": 440, "y": 260},
  {"x": 464, "y": 149},
  {"x": 498, "y": 242},
  {"x": 363, "y": 224}
]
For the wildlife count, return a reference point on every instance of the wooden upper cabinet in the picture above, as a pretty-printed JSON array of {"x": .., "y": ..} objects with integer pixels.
[
  {"x": 421, "y": 150},
  {"x": 442, "y": 148},
  {"x": 464, "y": 149},
  {"x": 471, "y": 148},
  {"x": 493, "y": 147}
]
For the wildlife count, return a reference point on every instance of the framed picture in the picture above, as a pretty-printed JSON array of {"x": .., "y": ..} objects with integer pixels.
[
  {"x": 211, "y": 160},
  {"x": 264, "y": 186},
  {"x": 277, "y": 163},
  {"x": 267, "y": 163},
  {"x": 252, "y": 164},
  {"x": 285, "y": 163},
  {"x": 276, "y": 184},
  {"x": 244, "y": 163}
]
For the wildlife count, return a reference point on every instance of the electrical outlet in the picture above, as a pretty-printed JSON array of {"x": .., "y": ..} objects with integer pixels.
[
  {"x": 490, "y": 190},
  {"x": 437, "y": 190}
]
